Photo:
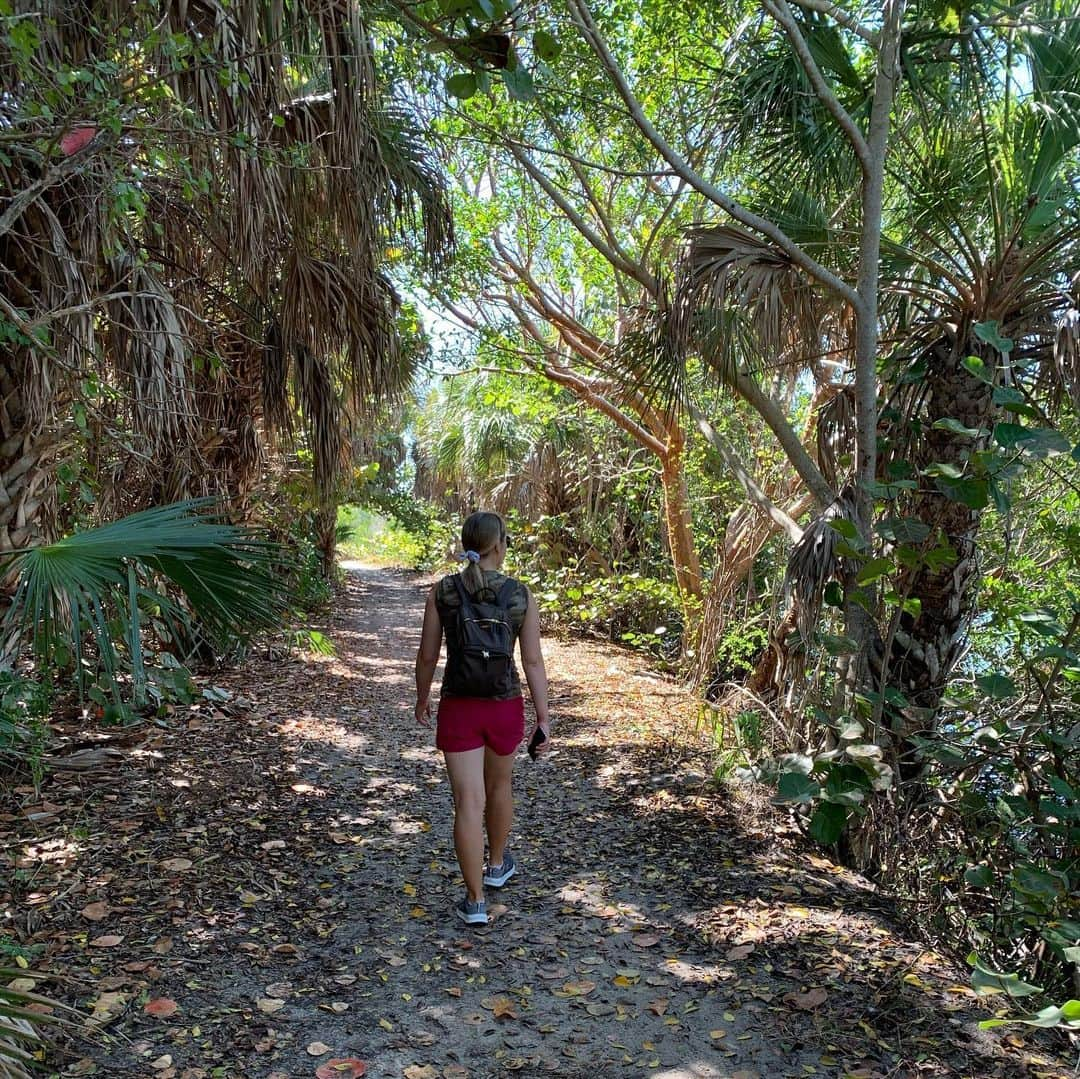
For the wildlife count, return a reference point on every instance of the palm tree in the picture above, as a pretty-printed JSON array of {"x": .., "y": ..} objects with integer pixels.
[
  {"x": 978, "y": 313},
  {"x": 195, "y": 252}
]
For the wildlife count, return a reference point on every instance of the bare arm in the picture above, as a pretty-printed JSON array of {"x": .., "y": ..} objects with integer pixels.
[
  {"x": 532, "y": 661},
  {"x": 427, "y": 659}
]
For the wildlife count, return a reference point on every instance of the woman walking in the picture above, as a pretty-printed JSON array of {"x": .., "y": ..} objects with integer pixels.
[{"x": 481, "y": 719}]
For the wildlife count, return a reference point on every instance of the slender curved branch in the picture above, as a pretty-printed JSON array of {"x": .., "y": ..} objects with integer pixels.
[
  {"x": 753, "y": 492},
  {"x": 837, "y": 14},
  {"x": 780, "y": 11},
  {"x": 583, "y": 18}
]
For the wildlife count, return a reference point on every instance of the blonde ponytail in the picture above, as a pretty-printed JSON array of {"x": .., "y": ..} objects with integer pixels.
[{"x": 481, "y": 532}]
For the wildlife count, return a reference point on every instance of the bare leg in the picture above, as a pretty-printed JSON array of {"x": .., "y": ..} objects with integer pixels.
[
  {"x": 499, "y": 815},
  {"x": 466, "y": 772}
]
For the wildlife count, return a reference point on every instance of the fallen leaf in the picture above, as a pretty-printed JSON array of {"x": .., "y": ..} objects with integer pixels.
[
  {"x": 161, "y": 1007},
  {"x": 504, "y": 1008},
  {"x": 578, "y": 989},
  {"x": 341, "y": 1068},
  {"x": 659, "y": 1006},
  {"x": 420, "y": 1071},
  {"x": 176, "y": 865},
  {"x": 108, "y": 1006},
  {"x": 94, "y": 912},
  {"x": 455, "y": 1071},
  {"x": 162, "y": 945},
  {"x": 740, "y": 951},
  {"x": 644, "y": 940},
  {"x": 108, "y": 941},
  {"x": 269, "y": 1005},
  {"x": 317, "y": 1049},
  {"x": 809, "y": 1000}
]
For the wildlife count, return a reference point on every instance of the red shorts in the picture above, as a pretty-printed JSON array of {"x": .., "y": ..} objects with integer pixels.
[{"x": 471, "y": 722}]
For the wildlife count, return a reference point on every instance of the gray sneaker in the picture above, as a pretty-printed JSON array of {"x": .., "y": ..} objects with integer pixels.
[
  {"x": 472, "y": 913},
  {"x": 495, "y": 876}
]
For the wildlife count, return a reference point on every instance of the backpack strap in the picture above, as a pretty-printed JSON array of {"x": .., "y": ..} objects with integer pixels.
[
  {"x": 505, "y": 593},
  {"x": 463, "y": 595}
]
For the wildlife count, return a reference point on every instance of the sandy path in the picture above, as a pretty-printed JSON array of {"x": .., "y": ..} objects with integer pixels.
[{"x": 279, "y": 870}]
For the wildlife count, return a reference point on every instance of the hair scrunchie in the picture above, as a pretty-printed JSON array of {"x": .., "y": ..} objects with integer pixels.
[{"x": 471, "y": 556}]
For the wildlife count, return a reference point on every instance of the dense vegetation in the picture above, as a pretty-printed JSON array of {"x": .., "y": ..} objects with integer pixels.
[{"x": 759, "y": 321}]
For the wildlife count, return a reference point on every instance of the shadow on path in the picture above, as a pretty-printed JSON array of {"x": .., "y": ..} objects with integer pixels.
[{"x": 281, "y": 867}]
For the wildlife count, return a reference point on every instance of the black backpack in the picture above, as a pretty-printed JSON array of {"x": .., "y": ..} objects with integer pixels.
[{"x": 485, "y": 639}]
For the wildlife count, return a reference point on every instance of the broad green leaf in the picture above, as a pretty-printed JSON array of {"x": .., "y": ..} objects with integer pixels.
[
  {"x": 957, "y": 428},
  {"x": 827, "y": 823},
  {"x": 978, "y": 368},
  {"x": 795, "y": 789},
  {"x": 987, "y": 982},
  {"x": 462, "y": 85},
  {"x": 1038, "y": 441},
  {"x": 1034, "y": 882},
  {"x": 519, "y": 83},
  {"x": 990, "y": 333},
  {"x": 1068, "y": 1015},
  {"x": 979, "y": 876},
  {"x": 903, "y": 530},
  {"x": 997, "y": 686},
  {"x": 546, "y": 46},
  {"x": 875, "y": 569},
  {"x": 972, "y": 493}
]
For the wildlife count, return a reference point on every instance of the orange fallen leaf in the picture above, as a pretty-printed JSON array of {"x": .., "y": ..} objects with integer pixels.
[
  {"x": 341, "y": 1068},
  {"x": 161, "y": 1008},
  {"x": 504, "y": 1008}
]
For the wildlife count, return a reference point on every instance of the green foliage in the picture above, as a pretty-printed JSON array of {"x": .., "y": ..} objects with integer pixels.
[
  {"x": 102, "y": 584},
  {"x": 642, "y": 612},
  {"x": 412, "y": 534},
  {"x": 24, "y": 704}
]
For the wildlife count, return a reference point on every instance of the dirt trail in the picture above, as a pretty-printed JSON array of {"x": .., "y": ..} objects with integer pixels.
[{"x": 281, "y": 868}]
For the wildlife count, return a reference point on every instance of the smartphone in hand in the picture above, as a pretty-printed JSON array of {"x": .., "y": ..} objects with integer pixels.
[{"x": 538, "y": 739}]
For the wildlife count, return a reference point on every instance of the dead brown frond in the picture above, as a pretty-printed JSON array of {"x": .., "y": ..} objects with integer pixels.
[
  {"x": 813, "y": 562},
  {"x": 835, "y": 432},
  {"x": 742, "y": 301},
  {"x": 1067, "y": 354}
]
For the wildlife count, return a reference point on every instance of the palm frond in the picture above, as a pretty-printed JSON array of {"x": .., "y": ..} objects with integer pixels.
[
  {"x": 814, "y": 561},
  {"x": 89, "y": 579}
]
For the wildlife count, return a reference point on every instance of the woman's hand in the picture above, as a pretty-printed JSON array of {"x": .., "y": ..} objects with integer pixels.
[
  {"x": 545, "y": 745},
  {"x": 423, "y": 712}
]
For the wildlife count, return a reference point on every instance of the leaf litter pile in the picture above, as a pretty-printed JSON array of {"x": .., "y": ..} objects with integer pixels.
[{"x": 262, "y": 887}]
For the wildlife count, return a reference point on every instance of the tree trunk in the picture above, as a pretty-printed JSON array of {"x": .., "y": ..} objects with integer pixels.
[
  {"x": 925, "y": 646},
  {"x": 27, "y": 491},
  {"x": 680, "y": 527}
]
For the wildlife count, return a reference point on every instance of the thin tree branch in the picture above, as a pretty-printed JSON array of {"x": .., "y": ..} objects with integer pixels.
[
  {"x": 583, "y": 18},
  {"x": 616, "y": 258},
  {"x": 786, "y": 435},
  {"x": 735, "y": 466},
  {"x": 780, "y": 11},
  {"x": 837, "y": 14}
]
